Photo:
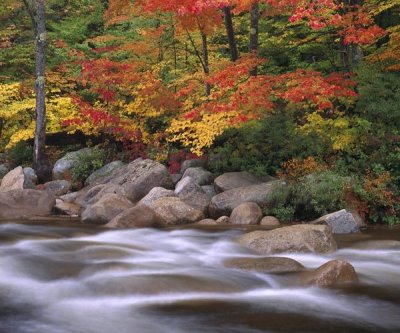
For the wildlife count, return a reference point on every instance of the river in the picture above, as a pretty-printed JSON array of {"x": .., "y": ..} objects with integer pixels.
[{"x": 79, "y": 279}]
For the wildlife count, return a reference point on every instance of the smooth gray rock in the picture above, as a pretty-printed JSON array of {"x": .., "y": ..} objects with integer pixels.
[
  {"x": 231, "y": 180},
  {"x": 104, "y": 210},
  {"x": 103, "y": 173},
  {"x": 193, "y": 163},
  {"x": 209, "y": 190},
  {"x": 176, "y": 177},
  {"x": 30, "y": 176},
  {"x": 139, "y": 177},
  {"x": 341, "y": 222},
  {"x": 174, "y": 211},
  {"x": 19, "y": 203},
  {"x": 155, "y": 194},
  {"x": 63, "y": 167},
  {"x": 90, "y": 195},
  {"x": 139, "y": 216},
  {"x": 296, "y": 238},
  {"x": 192, "y": 194},
  {"x": 57, "y": 187},
  {"x": 225, "y": 202},
  {"x": 200, "y": 175},
  {"x": 246, "y": 213}
]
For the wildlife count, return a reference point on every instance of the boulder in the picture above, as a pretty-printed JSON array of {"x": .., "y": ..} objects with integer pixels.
[
  {"x": 63, "y": 167},
  {"x": 17, "y": 179},
  {"x": 200, "y": 175},
  {"x": 207, "y": 222},
  {"x": 193, "y": 163},
  {"x": 139, "y": 216},
  {"x": 90, "y": 195},
  {"x": 57, "y": 187},
  {"x": 25, "y": 203},
  {"x": 155, "y": 194},
  {"x": 265, "y": 265},
  {"x": 341, "y": 222},
  {"x": 174, "y": 211},
  {"x": 192, "y": 194},
  {"x": 270, "y": 221},
  {"x": 104, "y": 172},
  {"x": 335, "y": 272},
  {"x": 104, "y": 210},
  {"x": 246, "y": 213},
  {"x": 297, "y": 238},
  {"x": 231, "y": 180},
  {"x": 67, "y": 208},
  {"x": 139, "y": 177},
  {"x": 209, "y": 190},
  {"x": 225, "y": 202},
  {"x": 223, "y": 220},
  {"x": 70, "y": 197}
]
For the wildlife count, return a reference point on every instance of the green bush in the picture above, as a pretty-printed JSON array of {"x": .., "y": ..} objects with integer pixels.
[
  {"x": 87, "y": 164},
  {"x": 21, "y": 153},
  {"x": 261, "y": 147},
  {"x": 313, "y": 196}
]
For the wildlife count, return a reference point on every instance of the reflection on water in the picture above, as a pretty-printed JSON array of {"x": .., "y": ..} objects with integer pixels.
[{"x": 79, "y": 280}]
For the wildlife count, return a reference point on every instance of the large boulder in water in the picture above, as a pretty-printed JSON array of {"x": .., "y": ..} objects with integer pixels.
[
  {"x": 246, "y": 213},
  {"x": 25, "y": 203},
  {"x": 224, "y": 203},
  {"x": 18, "y": 179},
  {"x": 335, "y": 272},
  {"x": 63, "y": 167},
  {"x": 341, "y": 222},
  {"x": 104, "y": 172},
  {"x": 104, "y": 210},
  {"x": 297, "y": 238},
  {"x": 140, "y": 216},
  {"x": 174, "y": 211},
  {"x": 139, "y": 177}
]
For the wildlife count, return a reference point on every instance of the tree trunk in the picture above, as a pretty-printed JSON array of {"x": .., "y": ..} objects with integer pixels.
[
  {"x": 36, "y": 10},
  {"x": 230, "y": 33},
  {"x": 254, "y": 30},
  {"x": 206, "y": 64}
]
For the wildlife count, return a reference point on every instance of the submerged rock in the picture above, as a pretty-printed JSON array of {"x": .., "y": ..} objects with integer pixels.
[
  {"x": 297, "y": 238},
  {"x": 265, "y": 265},
  {"x": 335, "y": 272}
]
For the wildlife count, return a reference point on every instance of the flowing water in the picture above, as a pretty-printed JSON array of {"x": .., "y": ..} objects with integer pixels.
[{"x": 58, "y": 279}]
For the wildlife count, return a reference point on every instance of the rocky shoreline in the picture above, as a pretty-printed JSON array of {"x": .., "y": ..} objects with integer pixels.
[{"x": 142, "y": 194}]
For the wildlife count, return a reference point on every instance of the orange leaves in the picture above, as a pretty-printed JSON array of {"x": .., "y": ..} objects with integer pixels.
[{"x": 295, "y": 169}]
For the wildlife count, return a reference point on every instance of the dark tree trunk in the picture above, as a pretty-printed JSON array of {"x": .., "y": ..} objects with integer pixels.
[
  {"x": 254, "y": 30},
  {"x": 230, "y": 33},
  {"x": 36, "y": 10},
  {"x": 206, "y": 64}
]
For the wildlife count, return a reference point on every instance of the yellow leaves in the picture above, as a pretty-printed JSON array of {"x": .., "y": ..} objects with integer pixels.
[
  {"x": 198, "y": 135},
  {"x": 342, "y": 132}
]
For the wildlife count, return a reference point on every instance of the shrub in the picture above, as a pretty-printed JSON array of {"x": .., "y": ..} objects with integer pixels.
[
  {"x": 21, "y": 153},
  {"x": 87, "y": 164},
  {"x": 311, "y": 197}
]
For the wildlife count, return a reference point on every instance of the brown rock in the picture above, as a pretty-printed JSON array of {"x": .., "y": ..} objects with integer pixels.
[
  {"x": 246, "y": 213},
  {"x": 207, "y": 222},
  {"x": 335, "y": 272},
  {"x": 140, "y": 216},
  {"x": 270, "y": 221},
  {"x": 297, "y": 238},
  {"x": 25, "y": 203},
  {"x": 266, "y": 265}
]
